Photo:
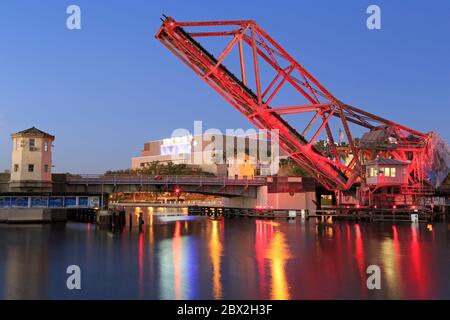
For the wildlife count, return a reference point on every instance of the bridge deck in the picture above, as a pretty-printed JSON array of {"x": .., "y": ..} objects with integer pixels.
[{"x": 159, "y": 180}]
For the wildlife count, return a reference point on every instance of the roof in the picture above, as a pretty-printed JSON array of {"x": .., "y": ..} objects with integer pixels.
[
  {"x": 385, "y": 161},
  {"x": 33, "y": 132},
  {"x": 378, "y": 136}
]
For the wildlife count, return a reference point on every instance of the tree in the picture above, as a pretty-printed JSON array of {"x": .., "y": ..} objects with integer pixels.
[
  {"x": 121, "y": 172},
  {"x": 290, "y": 168},
  {"x": 156, "y": 168}
]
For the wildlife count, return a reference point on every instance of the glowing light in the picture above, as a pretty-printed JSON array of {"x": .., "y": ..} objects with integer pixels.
[
  {"x": 263, "y": 236},
  {"x": 141, "y": 263},
  {"x": 215, "y": 251},
  {"x": 419, "y": 274},
  {"x": 390, "y": 257},
  {"x": 359, "y": 251},
  {"x": 177, "y": 140},
  {"x": 278, "y": 254},
  {"x": 177, "y": 260},
  {"x": 430, "y": 227},
  {"x": 330, "y": 232}
]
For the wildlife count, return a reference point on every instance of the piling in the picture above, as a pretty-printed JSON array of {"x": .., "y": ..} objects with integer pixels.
[{"x": 141, "y": 221}]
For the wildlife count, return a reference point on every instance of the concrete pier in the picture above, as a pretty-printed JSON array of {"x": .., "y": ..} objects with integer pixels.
[{"x": 33, "y": 215}]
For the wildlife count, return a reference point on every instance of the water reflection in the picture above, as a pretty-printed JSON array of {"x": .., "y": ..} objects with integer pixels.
[
  {"x": 177, "y": 256},
  {"x": 397, "y": 267},
  {"x": 177, "y": 261},
  {"x": 141, "y": 263},
  {"x": 26, "y": 270},
  {"x": 271, "y": 245},
  {"x": 390, "y": 267},
  {"x": 264, "y": 234},
  {"x": 215, "y": 252},
  {"x": 419, "y": 276},
  {"x": 359, "y": 253},
  {"x": 184, "y": 257}
]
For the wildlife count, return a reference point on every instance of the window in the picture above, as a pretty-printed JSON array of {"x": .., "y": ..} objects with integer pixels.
[
  {"x": 31, "y": 168},
  {"x": 392, "y": 172},
  {"x": 16, "y": 167},
  {"x": 32, "y": 144},
  {"x": 373, "y": 172},
  {"x": 45, "y": 146},
  {"x": 389, "y": 172},
  {"x": 16, "y": 144},
  {"x": 45, "y": 167}
]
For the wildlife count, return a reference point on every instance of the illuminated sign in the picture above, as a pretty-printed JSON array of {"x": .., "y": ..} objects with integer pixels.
[
  {"x": 177, "y": 141},
  {"x": 173, "y": 150},
  {"x": 176, "y": 145}
]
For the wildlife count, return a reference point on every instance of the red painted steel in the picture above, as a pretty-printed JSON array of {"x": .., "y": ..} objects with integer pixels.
[{"x": 256, "y": 101}]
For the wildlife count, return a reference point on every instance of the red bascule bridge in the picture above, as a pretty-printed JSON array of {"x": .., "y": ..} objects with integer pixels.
[{"x": 389, "y": 161}]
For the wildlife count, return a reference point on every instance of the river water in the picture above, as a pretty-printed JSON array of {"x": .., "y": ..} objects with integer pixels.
[{"x": 183, "y": 257}]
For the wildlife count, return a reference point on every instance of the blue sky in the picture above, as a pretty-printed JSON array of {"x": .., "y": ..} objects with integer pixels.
[{"x": 106, "y": 89}]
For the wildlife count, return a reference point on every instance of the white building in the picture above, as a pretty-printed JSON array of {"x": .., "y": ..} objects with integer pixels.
[{"x": 235, "y": 156}]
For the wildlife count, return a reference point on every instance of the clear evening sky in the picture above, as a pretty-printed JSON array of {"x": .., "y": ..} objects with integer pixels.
[{"x": 106, "y": 89}]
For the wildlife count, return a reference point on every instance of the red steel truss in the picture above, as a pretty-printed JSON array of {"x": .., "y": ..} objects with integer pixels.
[{"x": 257, "y": 102}]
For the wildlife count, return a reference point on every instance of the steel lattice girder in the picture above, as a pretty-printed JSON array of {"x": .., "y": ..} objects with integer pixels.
[{"x": 326, "y": 168}]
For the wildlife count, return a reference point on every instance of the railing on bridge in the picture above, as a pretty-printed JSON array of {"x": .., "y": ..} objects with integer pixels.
[{"x": 160, "y": 179}]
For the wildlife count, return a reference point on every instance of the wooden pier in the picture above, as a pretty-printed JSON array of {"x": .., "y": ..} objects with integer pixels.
[
  {"x": 82, "y": 215},
  {"x": 119, "y": 219},
  {"x": 360, "y": 214}
]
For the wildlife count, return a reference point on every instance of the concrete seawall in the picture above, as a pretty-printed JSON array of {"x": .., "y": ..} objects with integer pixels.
[{"x": 32, "y": 215}]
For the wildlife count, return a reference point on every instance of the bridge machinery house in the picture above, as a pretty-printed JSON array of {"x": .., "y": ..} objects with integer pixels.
[
  {"x": 29, "y": 191},
  {"x": 31, "y": 165},
  {"x": 386, "y": 172}
]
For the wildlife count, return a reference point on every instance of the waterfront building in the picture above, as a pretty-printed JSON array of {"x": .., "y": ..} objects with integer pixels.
[
  {"x": 221, "y": 155},
  {"x": 31, "y": 165},
  {"x": 245, "y": 169}
]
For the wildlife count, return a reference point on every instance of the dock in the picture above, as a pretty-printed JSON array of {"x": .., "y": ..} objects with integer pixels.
[{"x": 361, "y": 214}]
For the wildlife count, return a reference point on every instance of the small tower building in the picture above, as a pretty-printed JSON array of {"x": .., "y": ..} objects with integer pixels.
[{"x": 31, "y": 165}]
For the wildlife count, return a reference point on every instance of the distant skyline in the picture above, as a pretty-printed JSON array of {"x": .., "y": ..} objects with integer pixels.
[{"x": 106, "y": 89}]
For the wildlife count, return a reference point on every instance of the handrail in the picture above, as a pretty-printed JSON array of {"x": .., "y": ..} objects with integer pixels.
[{"x": 159, "y": 179}]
